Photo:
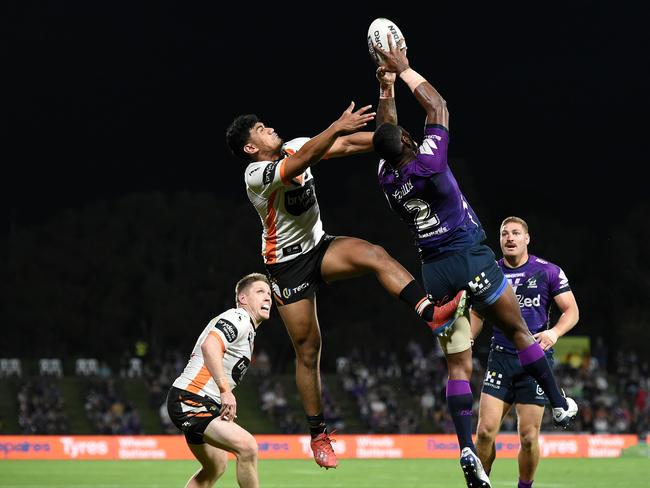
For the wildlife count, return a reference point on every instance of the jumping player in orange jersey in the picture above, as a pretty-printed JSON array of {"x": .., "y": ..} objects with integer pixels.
[
  {"x": 299, "y": 256},
  {"x": 201, "y": 403}
]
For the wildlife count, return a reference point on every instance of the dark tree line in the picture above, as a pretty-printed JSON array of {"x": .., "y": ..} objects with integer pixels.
[{"x": 156, "y": 267}]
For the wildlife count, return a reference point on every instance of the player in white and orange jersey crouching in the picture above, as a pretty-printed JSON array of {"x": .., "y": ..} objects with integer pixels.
[{"x": 201, "y": 402}]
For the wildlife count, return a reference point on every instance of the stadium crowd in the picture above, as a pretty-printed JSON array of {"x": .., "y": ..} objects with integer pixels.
[
  {"x": 407, "y": 395},
  {"x": 392, "y": 392},
  {"x": 108, "y": 410},
  {"x": 41, "y": 407}
]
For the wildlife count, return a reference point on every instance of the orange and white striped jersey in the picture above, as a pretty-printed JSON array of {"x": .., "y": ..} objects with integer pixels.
[
  {"x": 288, "y": 208},
  {"x": 235, "y": 332}
]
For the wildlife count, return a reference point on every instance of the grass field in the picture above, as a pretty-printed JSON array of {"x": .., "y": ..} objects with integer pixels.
[{"x": 627, "y": 472}]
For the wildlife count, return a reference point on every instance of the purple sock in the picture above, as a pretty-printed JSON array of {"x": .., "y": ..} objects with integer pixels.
[
  {"x": 534, "y": 362},
  {"x": 525, "y": 484},
  {"x": 459, "y": 402}
]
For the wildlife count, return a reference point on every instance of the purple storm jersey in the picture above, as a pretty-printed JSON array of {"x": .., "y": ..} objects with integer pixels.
[
  {"x": 425, "y": 194},
  {"x": 536, "y": 284}
]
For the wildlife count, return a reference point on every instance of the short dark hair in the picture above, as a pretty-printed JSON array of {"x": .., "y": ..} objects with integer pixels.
[
  {"x": 246, "y": 282},
  {"x": 387, "y": 141},
  {"x": 238, "y": 133}
]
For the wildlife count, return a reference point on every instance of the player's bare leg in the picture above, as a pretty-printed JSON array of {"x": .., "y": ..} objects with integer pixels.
[
  {"x": 301, "y": 322},
  {"x": 529, "y": 424},
  {"x": 229, "y": 436},
  {"x": 349, "y": 257},
  {"x": 459, "y": 365},
  {"x": 492, "y": 410},
  {"x": 505, "y": 313},
  {"x": 213, "y": 464}
]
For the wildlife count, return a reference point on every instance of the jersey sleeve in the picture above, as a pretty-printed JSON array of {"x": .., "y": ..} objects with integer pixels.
[
  {"x": 432, "y": 153},
  {"x": 264, "y": 177},
  {"x": 558, "y": 281}
]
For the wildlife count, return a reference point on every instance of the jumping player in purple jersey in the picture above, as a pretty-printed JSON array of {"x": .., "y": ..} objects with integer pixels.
[
  {"x": 538, "y": 284},
  {"x": 422, "y": 190}
]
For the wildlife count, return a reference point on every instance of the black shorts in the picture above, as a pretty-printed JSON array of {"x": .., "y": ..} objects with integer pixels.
[
  {"x": 506, "y": 380},
  {"x": 299, "y": 278},
  {"x": 191, "y": 413}
]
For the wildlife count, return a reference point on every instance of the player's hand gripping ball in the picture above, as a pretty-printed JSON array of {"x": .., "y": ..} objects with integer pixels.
[{"x": 378, "y": 37}]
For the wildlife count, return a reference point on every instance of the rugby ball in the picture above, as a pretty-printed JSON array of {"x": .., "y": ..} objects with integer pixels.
[{"x": 378, "y": 36}]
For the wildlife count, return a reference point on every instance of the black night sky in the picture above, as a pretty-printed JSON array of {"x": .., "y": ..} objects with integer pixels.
[{"x": 548, "y": 107}]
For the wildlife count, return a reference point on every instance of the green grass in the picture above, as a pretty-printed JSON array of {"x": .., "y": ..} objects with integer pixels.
[{"x": 553, "y": 473}]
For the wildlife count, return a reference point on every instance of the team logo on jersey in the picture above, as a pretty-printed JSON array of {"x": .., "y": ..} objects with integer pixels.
[
  {"x": 298, "y": 201},
  {"x": 269, "y": 171},
  {"x": 480, "y": 284},
  {"x": 228, "y": 329}
]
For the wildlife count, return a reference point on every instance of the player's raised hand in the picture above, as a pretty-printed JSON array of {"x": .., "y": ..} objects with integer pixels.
[
  {"x": 386, "y": 78},
  {"x": 393, "y": 60},
  {"x": 350, "y": 121},
  {"x": 228, "y": 406}
]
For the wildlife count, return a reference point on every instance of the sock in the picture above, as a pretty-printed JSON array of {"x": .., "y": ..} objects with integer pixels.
[
  {"x": 416, "y": 297},
  {"x": 459, "y": 402},
  {"x": 317, "y": 424},
  {"x": 535, "y": 364},
  {"x": 525, "y": 484}
]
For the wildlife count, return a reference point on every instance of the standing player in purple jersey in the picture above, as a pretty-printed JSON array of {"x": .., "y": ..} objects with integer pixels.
[
  {"x": 422, "y": 190},
  {"x": 538, "y": 284}
]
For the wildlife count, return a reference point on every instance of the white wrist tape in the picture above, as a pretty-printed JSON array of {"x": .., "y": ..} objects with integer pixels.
[{"x": 412, "y": 78}]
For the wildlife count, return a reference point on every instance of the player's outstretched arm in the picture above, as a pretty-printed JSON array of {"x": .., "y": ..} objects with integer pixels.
[
  {"x": 317, "y": 147},
  {"x": 359, "y": 142},
  {"x": 395, "y": 60},
  {"x": 213, "y": 353},
  {"x": 386, "y": 108}
]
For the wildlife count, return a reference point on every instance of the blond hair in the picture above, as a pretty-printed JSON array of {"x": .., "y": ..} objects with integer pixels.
[
  {"x": 246, "y": 282},
  {"x": 516, "y": 220}
]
